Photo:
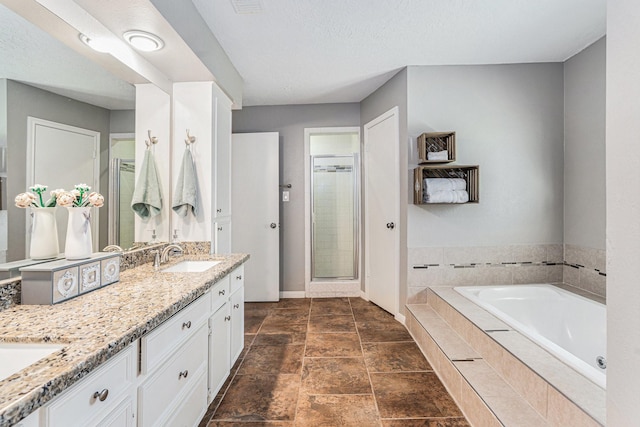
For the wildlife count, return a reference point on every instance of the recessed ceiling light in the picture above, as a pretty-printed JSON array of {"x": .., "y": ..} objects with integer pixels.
[
  {"x": 143, "y": 41},
  {"x": 99, "y": 45}
]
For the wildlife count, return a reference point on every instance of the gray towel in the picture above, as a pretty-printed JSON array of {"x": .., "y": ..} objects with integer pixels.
[
  {"x": 185, "y": 198},
  {"x": 147, "y": 196}
]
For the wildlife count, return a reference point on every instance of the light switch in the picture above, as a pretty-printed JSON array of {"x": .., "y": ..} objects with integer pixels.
[{"x": 285, "y": 196}]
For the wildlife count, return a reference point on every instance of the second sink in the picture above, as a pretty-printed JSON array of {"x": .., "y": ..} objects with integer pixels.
[{"x": 191, "y": 266}]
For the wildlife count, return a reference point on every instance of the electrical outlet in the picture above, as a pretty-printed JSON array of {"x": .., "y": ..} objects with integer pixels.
[{"x": 285, "y": 196}]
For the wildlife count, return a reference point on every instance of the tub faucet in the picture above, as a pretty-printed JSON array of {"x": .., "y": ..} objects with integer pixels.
[{"x": 172, "y": 248}]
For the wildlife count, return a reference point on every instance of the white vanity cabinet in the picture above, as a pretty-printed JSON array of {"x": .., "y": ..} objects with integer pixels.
[
  {"x": 222, "y": 173},
  {"x": 173, "y": 364},
  {"x": 104, "y": 398}
]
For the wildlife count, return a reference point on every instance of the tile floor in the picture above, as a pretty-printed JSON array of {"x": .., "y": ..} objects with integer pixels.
[{"x": 330, "y": 362}]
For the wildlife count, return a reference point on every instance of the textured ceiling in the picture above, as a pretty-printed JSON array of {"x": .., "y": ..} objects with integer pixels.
[{"x": 318, "y": 51}]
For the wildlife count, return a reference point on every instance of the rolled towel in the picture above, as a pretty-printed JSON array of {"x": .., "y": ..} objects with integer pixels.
[
  {"x": 147, "y": 196},
  {"x": 432, "y": 185},
  {"x": 185, "y": 198},
  {"x": 438, "y": 155},
  {"x": 456, "y": 196}
]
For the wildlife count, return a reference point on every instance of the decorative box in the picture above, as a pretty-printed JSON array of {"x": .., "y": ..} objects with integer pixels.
[{"x": 57, "y": 281}]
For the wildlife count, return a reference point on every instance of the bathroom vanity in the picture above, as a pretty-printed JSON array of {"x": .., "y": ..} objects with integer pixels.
[{"x": 153, "y": 348}]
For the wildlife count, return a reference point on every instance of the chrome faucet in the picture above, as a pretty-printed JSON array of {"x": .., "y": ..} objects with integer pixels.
[
  {"x": 112, "y": 248},
  {"x": 168, "y": 250}
]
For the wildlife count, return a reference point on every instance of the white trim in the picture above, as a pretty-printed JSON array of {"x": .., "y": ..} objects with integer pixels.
[
  {"x": 364, "y": 295},
  {"x": 292, "y": 294},
  {"x": 392, "y": 113},
  {"x": 307, "y": 202},
  {"x": 32, "y": 123},
  {"x": 401, "y": 318}
]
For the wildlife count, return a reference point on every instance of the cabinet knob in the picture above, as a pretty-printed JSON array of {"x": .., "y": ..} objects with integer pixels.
[
  {"x": 273, "y": 225},
  {"x": 238, "y": 277},
  {"x": 227, "y": 318},
  {"x": 101, "y": 395},
  {"x": 236, "y": 305},
  {"x": 186, "y": 325},
  {"x": 219, "y": 228},
  {"x": 183, "y": 374},
  {"x": 221, "y": 292},
  {"x": 219, "y": 210},
  {"x": 391, "y": 225}
]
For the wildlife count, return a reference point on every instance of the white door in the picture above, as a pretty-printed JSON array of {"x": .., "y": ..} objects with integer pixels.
[
  {"x": 61, "y": 156},
  {"x": 382, "y": 210},
  {"x": 256, "y": 211}
]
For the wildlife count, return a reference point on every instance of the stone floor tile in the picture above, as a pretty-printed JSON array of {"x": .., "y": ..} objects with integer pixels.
[
  {"x": 340, "y": 375},
  {"x": 394, "y": 357},
  {"x": 333, "y": 345}
]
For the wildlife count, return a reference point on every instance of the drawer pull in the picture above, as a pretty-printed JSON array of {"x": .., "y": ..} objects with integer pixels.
[
  {"x": 183, "y": 374},
  {"x": 186, "y": 324},
  {"x": 221, "y": 292},
  {"x": 236, "y": 305},
  {"x": 101, "y": 395},
  {"x": 227, "y": 318},
  {"x": 238, "y": 277}
]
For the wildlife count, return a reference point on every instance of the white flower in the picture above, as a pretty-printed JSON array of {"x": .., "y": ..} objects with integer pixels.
[
  {"x": 54, "y": 193},
  {"x": 96, "y": 199},
  {"x": 38, "y": 188},
  {"x": 66, "y": 199},
  {"x": 83, "y": 188},
  {"x": 24, "y": 200}
]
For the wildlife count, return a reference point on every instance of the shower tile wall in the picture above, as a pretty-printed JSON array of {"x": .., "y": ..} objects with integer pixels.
[{"x": 333, "y": 205}]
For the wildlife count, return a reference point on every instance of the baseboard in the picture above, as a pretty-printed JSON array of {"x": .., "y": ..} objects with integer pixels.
[
  {"x": 401, "y": 318},
  {"x": 363, "y": 295},
  {"x": 292, "y": 294}
]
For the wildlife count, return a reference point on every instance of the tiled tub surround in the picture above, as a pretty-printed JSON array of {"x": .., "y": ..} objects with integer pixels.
[
  {"x": 497, "y": 376},
  {"x": 94, "y": 327},
  {"x": 585, "y": 268},
  {"x": 481, "y": 265}
]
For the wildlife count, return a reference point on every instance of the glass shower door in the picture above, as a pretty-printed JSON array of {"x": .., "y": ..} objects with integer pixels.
[
  {"x": 121, "y": 216},
  {"x": 334, "y": 218}
]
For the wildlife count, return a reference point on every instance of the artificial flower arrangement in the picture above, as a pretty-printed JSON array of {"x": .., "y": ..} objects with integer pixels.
[{"x": 78, "y": 197}]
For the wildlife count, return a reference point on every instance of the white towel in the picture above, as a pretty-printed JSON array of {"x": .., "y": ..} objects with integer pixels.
[
  {"x": 438, "y": 155},
  {"x": 147, "y": 196},
  {"x": 185, "y": 198},
  {"x": 456, "y": 196},
  {"x": 431, "y": 185}
]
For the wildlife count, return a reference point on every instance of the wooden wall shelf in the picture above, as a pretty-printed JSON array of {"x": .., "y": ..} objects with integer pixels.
[
  {"x": 471, "y": 174},
  {"x": 430, "y": 142}
]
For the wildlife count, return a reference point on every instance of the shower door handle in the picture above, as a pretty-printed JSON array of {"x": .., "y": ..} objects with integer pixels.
[
  {"x": 273, "y": 225},
  {"x": 391, "y": 225}
]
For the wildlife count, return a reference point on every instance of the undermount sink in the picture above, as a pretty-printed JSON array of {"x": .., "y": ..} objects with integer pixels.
[
  {"x": 14, "y": 357},
  {"x": 191, "y": 266}
]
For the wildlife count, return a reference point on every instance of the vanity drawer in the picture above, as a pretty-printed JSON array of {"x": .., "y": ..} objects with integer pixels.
[
  {"x": 164, "y": 340},
  {"x": 237, "y": 278},
  {"x": 193, "y": 406},
  {"x": 161, "y": 393},
  {"x": 97, "y": 394},
  {"x": 220, "y": 293}
]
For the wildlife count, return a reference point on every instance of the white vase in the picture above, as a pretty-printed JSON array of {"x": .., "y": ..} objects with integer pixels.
[
  {"x": 78, "y": 244},
  {"x": 44, "y": 234}
]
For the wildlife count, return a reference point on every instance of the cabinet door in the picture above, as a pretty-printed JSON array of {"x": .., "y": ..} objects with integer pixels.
[
  {"x": 223, "y": 157},
  {"x": 219, "y": 366},
  {"x": 122, "y": 416},
  {"x": 237, "y": 324},
  {"x": 223, "y": 236}
]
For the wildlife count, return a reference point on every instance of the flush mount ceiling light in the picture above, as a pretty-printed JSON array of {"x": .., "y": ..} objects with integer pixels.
[
  {"x": 99, "y": 45},
  {"x": 143, "y": 41}
]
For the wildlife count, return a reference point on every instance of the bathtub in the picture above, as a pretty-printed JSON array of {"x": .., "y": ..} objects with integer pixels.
[{"x": 567, "y": 325}]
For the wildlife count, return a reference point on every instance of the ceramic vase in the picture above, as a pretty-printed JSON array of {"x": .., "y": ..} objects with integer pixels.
[
  {"x": 44, "y": 234},
  {"x": 78, "y": 244}
]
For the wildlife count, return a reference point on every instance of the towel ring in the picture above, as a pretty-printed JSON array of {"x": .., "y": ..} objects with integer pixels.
[
  {"x": 190, "y": 139},
  {"x": 152, "y": 139}
]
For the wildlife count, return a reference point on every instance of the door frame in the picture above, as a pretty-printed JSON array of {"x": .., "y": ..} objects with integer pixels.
[
  {"x": 395, "y": 114},
  {"x": 335, "y": 287}
]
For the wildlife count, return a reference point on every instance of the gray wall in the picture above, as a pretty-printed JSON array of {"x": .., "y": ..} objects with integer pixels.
[
  {"x": 509, "y": 120},
  {"x": 394, "y": 93},
  {"x": 290, "y": 122},
  {"x": 122, "y": 121},
  {"x": 584, "y": 145},
  {"x": 24, "y": 101}
]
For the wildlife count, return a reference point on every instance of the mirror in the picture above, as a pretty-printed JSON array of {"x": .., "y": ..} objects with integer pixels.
[{"x": 43, "y": 78}]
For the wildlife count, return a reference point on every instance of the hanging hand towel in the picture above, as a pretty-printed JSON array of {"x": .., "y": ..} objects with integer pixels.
[
  {"x": 147, "y": 196},
  {"x": 185, "y": 198}
]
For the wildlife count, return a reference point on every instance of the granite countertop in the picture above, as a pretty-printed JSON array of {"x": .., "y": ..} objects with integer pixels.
[{"x": 95, "y": 327}]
